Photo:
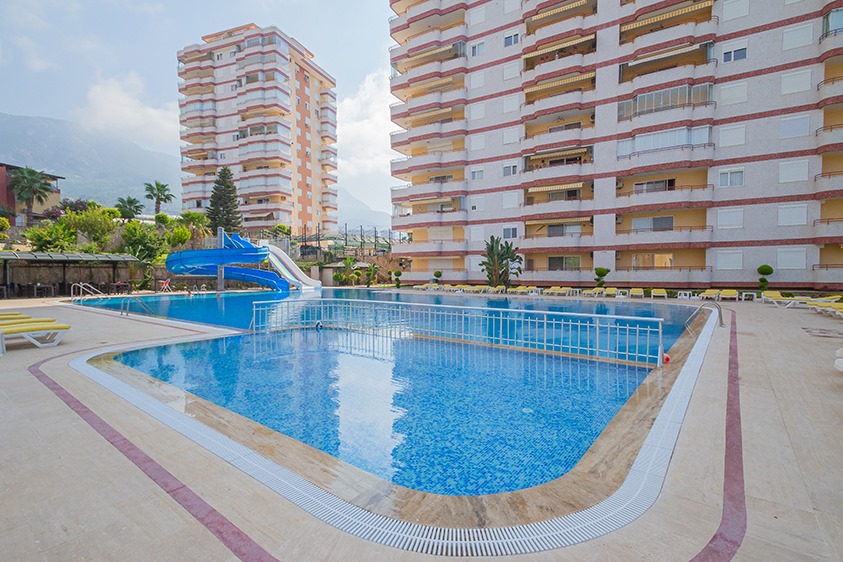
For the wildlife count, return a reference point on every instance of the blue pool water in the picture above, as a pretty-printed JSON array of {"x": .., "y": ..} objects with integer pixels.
[
  {"x": 234, "y": 310},
  {"x": 434, "y": 416}
]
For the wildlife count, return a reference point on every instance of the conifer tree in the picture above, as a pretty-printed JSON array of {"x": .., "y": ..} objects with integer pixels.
[{"x": 223, "y": 210}]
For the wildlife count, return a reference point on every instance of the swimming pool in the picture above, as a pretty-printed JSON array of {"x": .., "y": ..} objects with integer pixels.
[
  {"x": 434, "y": 416},
  {"x": 234, "y": 310}
]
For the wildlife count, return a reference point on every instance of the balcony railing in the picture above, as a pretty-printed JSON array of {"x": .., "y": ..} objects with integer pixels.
[
  {"x": 830, "y": 33},
  {"x": 817, "y": 266},
  {"x": 674, "y": 229},
  {"x": 828, "y": 128},
  {"x": 664, "y": 268},
  {"x": 827, "y": 221},
  {"x": 668, "y": 107},
  {"x": 667, "y": 188},
  {"x": 827, "y": 175},
  {"x": 664, "y": 148}
]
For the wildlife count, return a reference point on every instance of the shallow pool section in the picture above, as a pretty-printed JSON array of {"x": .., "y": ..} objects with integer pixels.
[{"x": 434, "y": 416}]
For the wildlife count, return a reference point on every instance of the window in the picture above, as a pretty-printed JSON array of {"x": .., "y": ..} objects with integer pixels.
[
  {"x": 791, "y": 258},
  {"x": 477, "y": 142},
  {"x": 661, "y": 100},
  {"x": 654, "y": 224},
  {"x": 511, "y": 135},
  {"x": 793, "y": 170},
  {"x": 478, "y": 49},
  {"x": 563, "y": 263},
  {"x": 477, "y": 80},
  {"x": 655, "y": 185},
  {"x": 793, "y": 82},
  {"x": 510, "y": 232},
  {"x": 477, "y": 15},
  {"x": 509, "y": 200},
  {"x": 664, "y": 139},
  {"x": 729, "y": 259},
  {"x": 733, "y": 135},
  {"x": 796, "y": 126},
  {"x": 733, "y": 9},
  {"x": 476, "y": 111},
  {"x": 731, "y": 94},
  {"x": 232, "y": 54},
  {"x": 476, "y": 174},
  {"x": 511, "y": 70},
  {"x": 730, "y": 178},
  {"x": 833, "y": 21},
  {"x": 652, "y": 261},
  {"x": 219, "y": 56},
  {"x": 795, "y": 214},
  {"x": 509, "y": 40},
  {"x": 564, "y": 229},
  {"x": 797, "y": 36},
  {"x": 734, "y": 50},
  {"x": 510, "y": 104},
  {"x": 729, "y": 218},
  {"x": 510, "y": 170}
]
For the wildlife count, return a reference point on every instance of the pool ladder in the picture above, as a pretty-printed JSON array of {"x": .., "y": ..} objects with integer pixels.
[
  {"x": 126, "y": 305},
  {"x": 80, "y": 290},
  {"x": 716, "y": 305}
]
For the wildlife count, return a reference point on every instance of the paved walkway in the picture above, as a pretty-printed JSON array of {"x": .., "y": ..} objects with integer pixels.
[{"x": 69, "y": 493}]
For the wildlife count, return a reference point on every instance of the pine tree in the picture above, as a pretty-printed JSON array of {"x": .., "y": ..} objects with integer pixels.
[{"x": 223, "y": 210}]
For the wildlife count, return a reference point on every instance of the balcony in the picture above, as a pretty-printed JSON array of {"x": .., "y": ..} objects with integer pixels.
[
  {"x": 439, "y": 247},
  {"x": 700, "y": 154},
  {"x": 435, "y": 38},
  {"x": 829, "y": 89},
  {"x": 651, "y": 117},
  {"x": 434, "y": 218},
  {"x": 574, "y": 14},
  {"x": 188, "y": 59},
  {"x": 430, "y": 70},
  {"x": 554, "y": 138},
  {"x": 430, "y": 14},
  {"x": 827, "y": 273},
  {"x": 544, "y": 242},
  {"x": 695, "y": 67},
  {"x": 677, "y": 234},
  {"x": 829, "y": 135},
  {"x": 403, "y": 111},
  {"x": 831, "y": 40},
  {"x": 555, "y": 56},
  {"x": 690, "y": 193},
  {"x": 564, "y": 277},
  {"x": 430, "y": 54},
  {"x": 578, "y": 98},
  {"x": 653, "y": 22},
  {"x": 430, "y": 161},
  {"x": 434, "y": 130},
  {"x": 828, "y": 227},
  {"x": 197, "y": 151},
  {"x": 675, "y": 276},
  {"x": 648, "y": 45},
  {"x": 408, "y": 192}
]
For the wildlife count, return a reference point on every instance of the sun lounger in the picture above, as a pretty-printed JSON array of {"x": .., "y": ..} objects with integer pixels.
[
  {"x": 595, "y": 292},
  {"x": 24, "y": 320},
  {"x": 520, "y": 289},
  {"x": 728, "y": 294},
  {"x": 710, "y": 294},
  {"x": 475, "y": 288},
  {"x": 660, "y": 293},
  {"x": 45, "y": 334},
  {"x": 555, "y": 290},
  {"x": 498, "y": 289},
  {"x": 769, "y": 296},
  {"x": 610, "y": 292},
  {"x": 636, "y": 292},
  {"x": 11, "y": 313}
]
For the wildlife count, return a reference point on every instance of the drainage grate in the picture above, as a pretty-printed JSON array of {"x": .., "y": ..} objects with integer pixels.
[{"x": 635, "y": 496}]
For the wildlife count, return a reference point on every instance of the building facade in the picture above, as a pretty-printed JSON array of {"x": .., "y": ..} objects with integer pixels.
[
  {"x": 679, "y": 143},
  {"x": 254, "y": 100},
  {"x": 18, "y": 208}
]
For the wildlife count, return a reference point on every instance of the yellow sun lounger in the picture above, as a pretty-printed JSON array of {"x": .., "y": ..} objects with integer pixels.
[
  {"x": 610, "y": 292},
  {"x": 728, "y": 294},
  {"x": 710, "y": 294},
  {"x": 24, "y": 320},
  {"x": 45, "y": 334},
  {"x": 661, "y": 293},
  {"x": 636, "y": 292},
  {"x": 476, "y": 288},
  {"x": 595, "y": 292}
]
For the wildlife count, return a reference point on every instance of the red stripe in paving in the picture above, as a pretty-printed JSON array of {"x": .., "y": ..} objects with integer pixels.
[
  {"x": 729, "y": 536},
  {"x": 221, "y": 527}
]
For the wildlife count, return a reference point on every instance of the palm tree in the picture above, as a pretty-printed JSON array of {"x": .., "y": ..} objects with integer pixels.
[
  {"x": 30, "y": 186},
  {"x": 197, "y": 224},
  {"x": 158, "y": 192},
  {"x": 501, "y": 261},
  {"x": 349, "y": 272},
  {"x": 129, "y": 207}
]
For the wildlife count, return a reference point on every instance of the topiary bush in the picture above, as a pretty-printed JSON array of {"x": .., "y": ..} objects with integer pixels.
[
  {"x": 397, "y": 275},
  {"x": 600, "y": 273},
  {"x": 438, "y": 275},
  {"x": 763, "y": 271}
]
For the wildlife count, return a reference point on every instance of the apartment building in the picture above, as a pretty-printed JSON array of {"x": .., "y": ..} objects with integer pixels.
[
  {"x": 679, "y": 143},
  {"x": 254, "y": 100},
  {"x": 10, "y": 202}
]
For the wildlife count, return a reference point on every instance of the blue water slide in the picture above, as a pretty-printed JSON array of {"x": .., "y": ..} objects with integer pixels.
[{"x": 205, "y": 262}]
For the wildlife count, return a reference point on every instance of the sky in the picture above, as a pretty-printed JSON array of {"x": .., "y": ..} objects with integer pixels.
[{"x": 111, "y": 66}]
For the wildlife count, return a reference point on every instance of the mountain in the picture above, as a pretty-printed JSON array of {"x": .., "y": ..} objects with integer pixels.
[
  {"x": 356, "y": 213},
  {"x": 97, "y": 166},
  {"x": 105, "y": 167}
]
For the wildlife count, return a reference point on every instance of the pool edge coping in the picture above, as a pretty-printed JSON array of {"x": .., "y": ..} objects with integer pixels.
[{"x": 634, "y": 497}]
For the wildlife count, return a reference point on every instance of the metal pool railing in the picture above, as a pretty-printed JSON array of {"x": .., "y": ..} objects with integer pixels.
[{"x": 619, "y": 338}]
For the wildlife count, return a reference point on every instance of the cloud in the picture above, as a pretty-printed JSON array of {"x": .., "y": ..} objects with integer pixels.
[
  {"x": 32, "y": 53},
  {"x": 363, "y": 128},
  {"x": 114, "y": 105}
]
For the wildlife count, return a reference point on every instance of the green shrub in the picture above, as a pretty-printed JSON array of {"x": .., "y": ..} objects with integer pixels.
[
  {"x": 763, "y": 271},
  {"x": 600, "y": 273},
  {"x": 397, "y": 275}
]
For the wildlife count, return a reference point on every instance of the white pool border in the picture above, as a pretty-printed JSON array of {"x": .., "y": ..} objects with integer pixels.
[{"x": 635, "y": 496}]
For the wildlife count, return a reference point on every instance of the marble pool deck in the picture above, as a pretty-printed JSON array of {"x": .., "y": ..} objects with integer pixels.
[{"x": 85, "y": 475}]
